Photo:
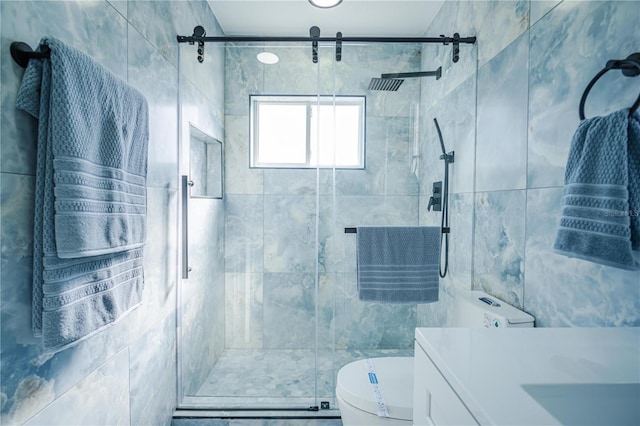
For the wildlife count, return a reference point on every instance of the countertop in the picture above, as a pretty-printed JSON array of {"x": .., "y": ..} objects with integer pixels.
[{"x": 540, "y": 376}]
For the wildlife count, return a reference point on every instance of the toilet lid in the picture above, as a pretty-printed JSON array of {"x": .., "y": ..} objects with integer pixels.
[{"x": 395, "y": 382}]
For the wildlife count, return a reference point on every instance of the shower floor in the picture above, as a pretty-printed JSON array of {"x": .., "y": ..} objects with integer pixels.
[{"x": 275, "y": 378}]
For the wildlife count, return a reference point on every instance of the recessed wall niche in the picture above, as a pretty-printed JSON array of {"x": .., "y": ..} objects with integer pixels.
[{"x": 205, "y": 165}]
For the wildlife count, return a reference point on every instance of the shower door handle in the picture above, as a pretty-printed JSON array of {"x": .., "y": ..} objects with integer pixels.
[{"x": 185, "y": 184}]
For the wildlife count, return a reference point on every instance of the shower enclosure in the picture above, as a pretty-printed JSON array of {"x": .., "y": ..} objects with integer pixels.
[{"x": 268, "y": 309}]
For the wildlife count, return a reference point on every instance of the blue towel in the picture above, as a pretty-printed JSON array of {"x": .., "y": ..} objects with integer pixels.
[
  {"x": 90, "y": 210},
  {"x": 601, "y": 204},
  {"x": 398, "y": 264}
]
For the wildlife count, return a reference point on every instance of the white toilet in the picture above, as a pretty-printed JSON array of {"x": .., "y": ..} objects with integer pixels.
[{"x": 365, "y": 388}]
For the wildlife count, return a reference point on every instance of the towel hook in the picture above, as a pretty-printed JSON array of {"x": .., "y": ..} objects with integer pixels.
[
  {"x": 21, "y": 53},
  {"x": 630, "y": 67}
]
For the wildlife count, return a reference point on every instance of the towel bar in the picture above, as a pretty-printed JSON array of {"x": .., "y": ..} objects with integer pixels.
[
  {"x": 630, "y": 67},
  {"x": 21, "y": 53},
  {"x": 445, "y": 230}
]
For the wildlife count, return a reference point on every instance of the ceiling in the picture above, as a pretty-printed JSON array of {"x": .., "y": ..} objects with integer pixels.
[{"x": 408, "y": 18}]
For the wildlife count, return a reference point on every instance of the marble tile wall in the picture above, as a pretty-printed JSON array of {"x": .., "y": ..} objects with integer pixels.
[
  {"x": 271, "y": 225},
  {"x": 126, "y": 374},
  {"x": 534, "y": 60}
]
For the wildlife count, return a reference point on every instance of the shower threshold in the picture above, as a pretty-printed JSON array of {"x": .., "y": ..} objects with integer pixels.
[
  {"x": 282, "y": 381},
  {"x": 257, "y": 414},
  {"x": 256, "y": 418}
]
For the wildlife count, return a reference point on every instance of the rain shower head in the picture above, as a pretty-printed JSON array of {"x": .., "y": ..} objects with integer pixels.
[
  {"x": 385, "y": 84},
  {"x": 392, "y": 82}
]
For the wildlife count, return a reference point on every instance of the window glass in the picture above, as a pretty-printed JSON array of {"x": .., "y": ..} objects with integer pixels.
[
  {"x": 283, "y": 133},
  {"x": 307, "y": 131}
]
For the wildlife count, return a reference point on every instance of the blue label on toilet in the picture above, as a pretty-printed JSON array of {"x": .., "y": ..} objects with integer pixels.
[{"x": 373, "y": 379}]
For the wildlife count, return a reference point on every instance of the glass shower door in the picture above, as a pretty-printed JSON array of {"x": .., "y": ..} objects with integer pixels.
[
  {"x": 270, "y": 310},
  {"x": 384, "y": 192},
  {"x": 200, "y": 217},
  {"x": 249, "y": 330}
]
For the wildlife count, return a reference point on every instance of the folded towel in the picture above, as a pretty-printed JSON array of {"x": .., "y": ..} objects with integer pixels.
[
  {"x": 90, "y": 210},
  {"x": 398, "y": 264},
  {"x": 601, "y": 204},
  {"x": 633, "y": 148}
]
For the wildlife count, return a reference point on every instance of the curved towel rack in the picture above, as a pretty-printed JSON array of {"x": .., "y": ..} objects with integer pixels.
[
  {"x": 630, "y": 67},
  {"x": 21, "y": 53}
]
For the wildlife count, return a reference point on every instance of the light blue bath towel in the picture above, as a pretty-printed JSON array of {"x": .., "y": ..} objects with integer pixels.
[
  {"x": 601, "y": 204},
  {"x": 398, "y": 264},
  {"x": 90, "y": 212}
]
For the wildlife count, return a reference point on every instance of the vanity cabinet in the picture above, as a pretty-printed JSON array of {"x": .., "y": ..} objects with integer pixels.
[
  {"x": 527, "y": 376},
  {"x": 434, "y": 401}
]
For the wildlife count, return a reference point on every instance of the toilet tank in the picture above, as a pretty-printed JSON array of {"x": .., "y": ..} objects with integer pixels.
[{"x": 476, "y": 309}]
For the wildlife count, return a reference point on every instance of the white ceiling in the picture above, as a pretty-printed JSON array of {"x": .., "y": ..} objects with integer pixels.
[{"x": 408, "y": 18}]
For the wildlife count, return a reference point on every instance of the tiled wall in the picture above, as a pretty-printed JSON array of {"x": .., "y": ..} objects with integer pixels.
[
  {"x": 126, "y": 374},
  {"x": 270, "y": 232},
  {"x": 535, "y": 59}
]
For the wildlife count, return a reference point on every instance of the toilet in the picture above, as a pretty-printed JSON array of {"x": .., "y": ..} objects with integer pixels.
[{"x": 367, "y": 387}]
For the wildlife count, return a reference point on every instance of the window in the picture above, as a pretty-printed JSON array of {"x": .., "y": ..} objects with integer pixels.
[{"x": 307, "y": 131}]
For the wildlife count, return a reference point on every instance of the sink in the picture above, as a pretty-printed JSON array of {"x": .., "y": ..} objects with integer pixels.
[{"x": 589, "y": 403}]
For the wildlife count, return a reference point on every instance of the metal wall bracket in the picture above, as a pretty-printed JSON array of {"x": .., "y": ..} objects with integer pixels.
[
  {"x": 630, "y": 67},
  {"x": 199, "y": 31},
  {"x": 456, "y": 48},
  {"x": 338, "y": 46},
  {"x": 455, "y": 41},
  {"x": 449, "y": 157},
  {"x": 21, "y": 53},
  {"x": 314, "y": 33}
]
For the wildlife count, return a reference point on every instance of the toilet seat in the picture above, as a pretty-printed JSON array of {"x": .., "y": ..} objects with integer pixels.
[{"x": 395, "y": 381}]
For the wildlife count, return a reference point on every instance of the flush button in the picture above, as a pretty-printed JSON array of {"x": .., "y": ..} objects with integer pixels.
[{"x": 489, "y": 302}]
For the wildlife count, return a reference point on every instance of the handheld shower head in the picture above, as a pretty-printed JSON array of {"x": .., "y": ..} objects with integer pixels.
[
  {"x": 447, "y": 157},
  {"x": 444, "y": 151}
]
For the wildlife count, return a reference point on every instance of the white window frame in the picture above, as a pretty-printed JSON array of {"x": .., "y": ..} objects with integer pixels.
[{"x": 308, "y": 100}]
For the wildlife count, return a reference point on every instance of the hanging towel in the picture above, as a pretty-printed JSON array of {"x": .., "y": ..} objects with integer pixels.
[
  {"x": 601, "y": 202},
  {"x": 90, "y": 207},
  {"x": 398, "y": 264}
]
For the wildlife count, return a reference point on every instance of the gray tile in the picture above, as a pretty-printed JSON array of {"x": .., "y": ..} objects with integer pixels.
[
  {"x": 289, "y": 306},
  {"x": 155, "y": 78},
  {"x": 501, "y": 146},
  {"x": 75, "y": 408},
  {"x": 499, "y": 245}
]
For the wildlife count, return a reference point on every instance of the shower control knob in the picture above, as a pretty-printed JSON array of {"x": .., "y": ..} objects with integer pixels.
[
  {"x": 431, "y": 203},
  {"x": 191, "y": 183}
]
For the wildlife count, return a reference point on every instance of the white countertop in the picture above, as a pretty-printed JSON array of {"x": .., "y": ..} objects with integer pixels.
[{"x": 508, "y": 376}]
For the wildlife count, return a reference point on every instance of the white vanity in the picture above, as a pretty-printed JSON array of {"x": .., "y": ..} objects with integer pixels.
[{"x": 527, "y": 376}]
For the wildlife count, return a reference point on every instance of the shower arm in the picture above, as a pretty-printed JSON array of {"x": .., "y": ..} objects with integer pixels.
[{"x": 437, "y": 74}]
